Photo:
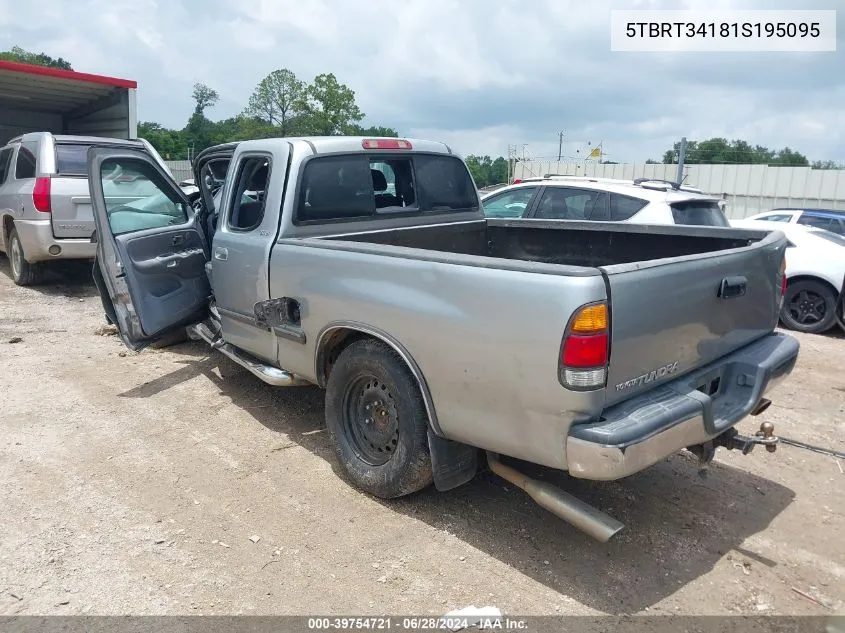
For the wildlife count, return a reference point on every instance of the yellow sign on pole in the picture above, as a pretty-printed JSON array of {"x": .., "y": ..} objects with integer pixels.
[{"x": 596, "y": 153}]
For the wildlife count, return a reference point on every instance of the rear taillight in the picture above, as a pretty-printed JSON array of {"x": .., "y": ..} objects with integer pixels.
[
  {"x": 41, "y": 195},
  {"x": 585, "y": 349},
  {"x": 517, "y": 181},
  {"x": 783, "y": 278}
]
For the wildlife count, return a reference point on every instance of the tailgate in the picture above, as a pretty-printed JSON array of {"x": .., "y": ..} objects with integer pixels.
[
  {"x": 671, "y": 316},
  {"x": 72, "y": 215}
]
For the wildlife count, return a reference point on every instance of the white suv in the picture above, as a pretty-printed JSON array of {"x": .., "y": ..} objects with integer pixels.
[{"x": 583, "y": 198}]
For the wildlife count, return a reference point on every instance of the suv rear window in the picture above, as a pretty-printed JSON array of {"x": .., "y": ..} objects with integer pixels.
[
  {"x": 72, "y": 160},
  {"x": 699, "y": 212},
  {"x": 362, "y": 185}
]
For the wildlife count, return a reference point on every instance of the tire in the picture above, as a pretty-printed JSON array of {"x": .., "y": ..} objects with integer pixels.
[
  {"x": 388, "y": 456},
  {"x": 23, "y": 273},
  {"x": 809, "y": 306}
]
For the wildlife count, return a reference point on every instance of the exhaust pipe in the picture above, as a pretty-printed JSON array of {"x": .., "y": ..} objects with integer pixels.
[
  {"x": 761, "y": 406},
  {"x": 583, "y": 516},
  {"x": 269, "y": 374}
]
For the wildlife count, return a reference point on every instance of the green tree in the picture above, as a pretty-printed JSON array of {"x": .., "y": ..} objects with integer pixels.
[
  {"x": 331, "y": 107},
  {"x": 280, "y": 99},
  {"x": 169, "y": 143},
  {"x": 718, "y": 150},
  {"x": 204, "y": 97},
  {"x": 827, "y": 164},
  {"x": 373, "y": 131},
  {"x": 18, "y": 54}
]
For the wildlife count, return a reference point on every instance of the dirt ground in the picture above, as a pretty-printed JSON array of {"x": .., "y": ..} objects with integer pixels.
[{"x": 173, "y": 482}]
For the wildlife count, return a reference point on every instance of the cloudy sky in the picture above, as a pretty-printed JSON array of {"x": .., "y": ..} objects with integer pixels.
[{"x": 479, "y": 74}]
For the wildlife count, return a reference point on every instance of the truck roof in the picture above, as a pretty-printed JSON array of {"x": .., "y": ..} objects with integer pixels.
[
  {"x": 331, "y": 144},
  {"x": 67, "y": 138}
]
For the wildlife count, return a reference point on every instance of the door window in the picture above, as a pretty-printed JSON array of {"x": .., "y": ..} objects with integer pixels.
[
  {"x": 565, "y": 203},
  {"x": 509, "y": 204},
  {"x": 250, "y": 193},
  {"x": 141, "y": 198}
]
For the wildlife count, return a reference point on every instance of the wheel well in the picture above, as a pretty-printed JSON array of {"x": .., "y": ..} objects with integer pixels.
[
  {"x": 8, "y": 225},
  {"x": 823, "y": 282},
  {"x": 330, "y": 346}
]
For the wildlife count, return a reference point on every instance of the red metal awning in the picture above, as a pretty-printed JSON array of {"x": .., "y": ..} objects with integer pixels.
[{"x": 39, "y": 88}]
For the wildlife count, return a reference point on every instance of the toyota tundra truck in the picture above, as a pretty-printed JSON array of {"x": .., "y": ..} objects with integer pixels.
[{"x": 445, "y": 340}]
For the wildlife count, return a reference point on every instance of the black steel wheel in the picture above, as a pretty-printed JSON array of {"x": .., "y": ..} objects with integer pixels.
[
  {"x": 377, "y": 421},
  {"x": 809, "y": 306}
]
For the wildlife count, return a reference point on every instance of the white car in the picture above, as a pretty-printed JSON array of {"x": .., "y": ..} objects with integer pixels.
[
  {"x": 582, "y": 198},
  {"x": 827, "y": 219},
  {"x": 815, "y": 273}
]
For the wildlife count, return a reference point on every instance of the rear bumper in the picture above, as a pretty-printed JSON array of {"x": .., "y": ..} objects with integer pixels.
[
  {"x": 37, "y": 238},
  {"x": 640, "y": 432}
]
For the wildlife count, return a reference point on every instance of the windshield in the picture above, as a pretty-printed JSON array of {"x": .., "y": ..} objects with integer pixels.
[{"x": 699, "y": 212}]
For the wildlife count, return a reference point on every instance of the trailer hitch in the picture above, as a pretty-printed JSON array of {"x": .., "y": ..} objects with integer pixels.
[{"x": 733, "y": 440}]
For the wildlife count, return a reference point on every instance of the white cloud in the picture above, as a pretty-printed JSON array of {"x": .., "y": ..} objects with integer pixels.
[{"x": 478, "y": 74}]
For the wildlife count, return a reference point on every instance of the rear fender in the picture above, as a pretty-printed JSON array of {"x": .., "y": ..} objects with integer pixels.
[{"x": 453, "y": 464}]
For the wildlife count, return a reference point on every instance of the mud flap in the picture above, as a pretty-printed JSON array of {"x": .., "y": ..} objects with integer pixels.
[{"x": 452, "y": 463}]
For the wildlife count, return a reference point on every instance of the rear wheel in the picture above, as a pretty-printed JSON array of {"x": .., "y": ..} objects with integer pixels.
[
  {"x": 377, "y": 421},
  {"x": 809, "y": 306},
  {"x": 23, "y": 273}
]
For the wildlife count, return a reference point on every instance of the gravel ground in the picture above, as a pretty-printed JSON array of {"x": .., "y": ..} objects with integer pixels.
[{"x": 173, "y": 482}]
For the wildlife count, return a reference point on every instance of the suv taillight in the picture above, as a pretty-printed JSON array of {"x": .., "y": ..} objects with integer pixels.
[
  {"x": 585, "y": 349},
  {"x": 41, "y": 195}
]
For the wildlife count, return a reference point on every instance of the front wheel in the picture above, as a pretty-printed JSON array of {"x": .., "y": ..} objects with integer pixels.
[
  {"x": 377, "y": 421},
  {"x": 809, "y": 306}
]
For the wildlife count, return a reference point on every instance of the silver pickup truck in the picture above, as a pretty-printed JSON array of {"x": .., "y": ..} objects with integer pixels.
[{"x": 366, "y": 266}]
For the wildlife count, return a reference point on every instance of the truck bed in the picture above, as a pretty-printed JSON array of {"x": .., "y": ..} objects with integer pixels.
[
  {"x": 680, "y": 297},
  {"x": 575, "y": 244}
]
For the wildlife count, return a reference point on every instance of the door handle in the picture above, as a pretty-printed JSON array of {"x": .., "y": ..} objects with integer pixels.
[
  {"x": 732, "y": 287},
  {"x": 221, "y": 254}
]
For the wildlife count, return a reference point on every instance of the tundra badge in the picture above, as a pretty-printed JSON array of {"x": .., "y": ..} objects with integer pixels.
[{"x": 654, "y": 374}]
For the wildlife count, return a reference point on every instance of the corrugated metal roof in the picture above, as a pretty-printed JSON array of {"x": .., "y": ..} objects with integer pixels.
[{"x": 43, "y": 89}]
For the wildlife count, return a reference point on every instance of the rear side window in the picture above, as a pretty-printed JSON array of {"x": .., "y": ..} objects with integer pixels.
[
  {"x": 625, "y": 207},
  {"x": 566, "y": 203},
  {"x": 359, "y": 186},
  {"x": 818, "y": 221},
  {"x": 72, "y": 160},
  {"x": 5, "y": 157},
  {"x": 25, "y": 165},
  {"x": 699, "y": 212}
]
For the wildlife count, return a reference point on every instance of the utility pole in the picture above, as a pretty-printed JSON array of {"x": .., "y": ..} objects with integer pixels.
[
  {"x": 559, "y": 146},
  {"x": 681, "y": 155}
]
